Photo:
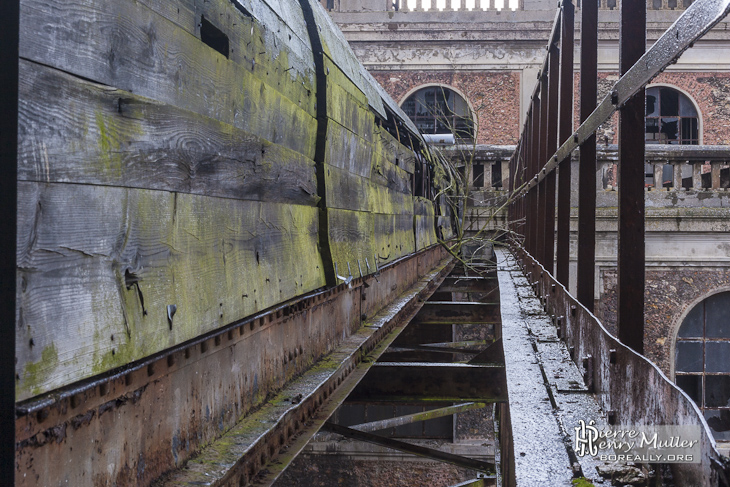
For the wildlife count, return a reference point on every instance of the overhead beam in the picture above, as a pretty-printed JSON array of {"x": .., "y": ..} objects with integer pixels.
[
  {"x": 425, "y": 382},
  {"x": 421, "y": 451},
  {"x": 418, "y": 417}
]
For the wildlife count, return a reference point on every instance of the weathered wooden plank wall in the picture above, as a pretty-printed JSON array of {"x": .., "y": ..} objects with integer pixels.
[{"x": 156, "y": 171}]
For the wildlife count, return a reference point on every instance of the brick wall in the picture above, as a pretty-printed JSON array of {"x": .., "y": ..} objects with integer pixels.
[{"x": 494, "y": 96}]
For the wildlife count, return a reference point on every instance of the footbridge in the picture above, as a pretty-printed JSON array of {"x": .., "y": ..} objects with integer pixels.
[{"x": 228, "y": 260}]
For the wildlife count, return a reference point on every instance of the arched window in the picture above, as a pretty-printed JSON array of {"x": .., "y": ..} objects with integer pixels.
[
  {"x": 671, "y": 117},
  {"x": 439, "y": 110},
  {"x": 702, "y": 361}
]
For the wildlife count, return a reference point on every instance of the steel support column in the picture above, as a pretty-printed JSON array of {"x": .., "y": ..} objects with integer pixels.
[
  {"x": 587, "y": 167},
  {"x": 9, "y": 19},
  {"x": 564, "y": 131},
  {"x": 631, "y": 251},
  {"x": 541, "y": 159},
  {"x": 534, "y": 167},
  {"x": 551, "y": 145}
]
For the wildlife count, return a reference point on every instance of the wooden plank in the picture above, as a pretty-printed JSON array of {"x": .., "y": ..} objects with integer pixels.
[
  {"x": 98, "y": 267},
  {"x": 346, "y": 190},
  {"x": 425, "y": 233},
  {"x": 390, "y": 145},
  {"x": 76, "y": 131},
  {"x": 423, "y": 222},
  {"x": 281, "y": 20},
  {"x": 126, "y": 45},
  {"x": 336, "y": 77},
  {"x": 351, "y": 240},
  {"x": 393, "y": 237},
  {"x": 444, "y": 225},
  {"x": 347, "y": 150},
  {"x": 386, "y": 173},
  {"x": 349, "y": 191},
  {"x": 348, "y": 111},
  {"x": 382, "y": 199},
  {"x": 423, "y": 206}
]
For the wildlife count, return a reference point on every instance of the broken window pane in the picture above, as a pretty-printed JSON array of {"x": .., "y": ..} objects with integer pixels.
[
  {"x": 717, "y": 391},
  {"x": 719, "y": 423},
  {"x": 652, "y": 102},
  {"x": 670, "y": 130},
  {"x": 692, "y": 385},
  {"x": 688, "y": 356},
  {"x": 669, "y": 102}
]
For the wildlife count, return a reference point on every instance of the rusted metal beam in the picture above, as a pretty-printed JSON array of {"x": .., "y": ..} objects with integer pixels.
[
  {"x": 453, "y": 312},
  {"x": 427, "y": 348},
  {"x": 418, "y": 417},
  {"x": 694, "y": 23},
  {"x": 422, "y": 451},
  {"x": 587, "y": 164},
  {"x": 565, "y": 122},
  {"x": 472, "y": 483},
  {"x": 460, "y": 345},
  {"x": 493, "y": 354},
  {"x": 532, "y": 219},
  {"x": 545, "y": 123},
  {"x": 469, "y": 284},
  {"x": 631, "y": 248},
  {"x": 393, "y": 382},
  {"x": 9, "y": 20}
]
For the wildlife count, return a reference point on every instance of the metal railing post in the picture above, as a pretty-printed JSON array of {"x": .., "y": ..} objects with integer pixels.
[
  {"x": 565, "y": 129},
  {"x": 551, "y": 145},
  {"x": 543, "y": 155},
  {"x": 587, "y": 161},
  {"x": 631, "y": 250}
]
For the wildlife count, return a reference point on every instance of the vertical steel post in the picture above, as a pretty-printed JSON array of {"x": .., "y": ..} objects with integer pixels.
[
  {"x": 528, "y": 167},
  {"x": 587, "y": 164},
  {"x": 9, "y": 19},
  {"x": 542, "y": 205},
  {"x": 551, "y": 145},
  {"x": 565, "y": 129},
  {"x": 632, "y": 44},
  {"x": 535, "y": 191}
]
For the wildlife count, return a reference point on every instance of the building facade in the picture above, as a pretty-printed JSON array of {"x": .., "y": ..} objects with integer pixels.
[{"x": 490, "y": 55}]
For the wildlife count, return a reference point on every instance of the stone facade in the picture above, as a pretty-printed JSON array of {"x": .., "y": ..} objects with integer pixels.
[{"x": 669, "y": 295}]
